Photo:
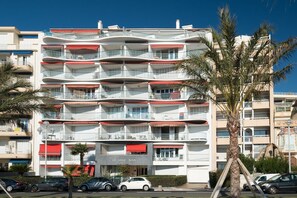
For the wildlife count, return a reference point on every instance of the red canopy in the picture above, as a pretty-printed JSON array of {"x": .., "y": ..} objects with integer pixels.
[
  {"x": 52, "y": 149},
  {"x": 136, "y": 148}
]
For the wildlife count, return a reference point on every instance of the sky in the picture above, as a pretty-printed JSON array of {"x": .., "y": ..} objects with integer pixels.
[{"x": 41, "y": 15}]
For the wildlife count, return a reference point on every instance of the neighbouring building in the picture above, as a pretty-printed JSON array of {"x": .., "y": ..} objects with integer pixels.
[
  {"x": 257, "y": 125},
  {"x": 116, "y": 89},
  {"x": 286, "y": 124},
  {"x": 22, "y": 49}
]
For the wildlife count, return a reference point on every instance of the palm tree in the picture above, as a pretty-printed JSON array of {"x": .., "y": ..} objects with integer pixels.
[
  {"x": 235, "y": 71},
  {"x": 68, "y": 171},
  {"x": 80, "y": 149},
  {"x": 16, "y": 94}
]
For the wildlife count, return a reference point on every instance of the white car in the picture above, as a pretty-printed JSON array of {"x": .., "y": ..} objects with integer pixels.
[{"x": 134, "y": 183}]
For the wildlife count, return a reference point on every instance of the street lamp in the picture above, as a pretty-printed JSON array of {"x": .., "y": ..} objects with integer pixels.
[
  {"x": 46, "y": 124},
  {"x": 289, "y": 149}
]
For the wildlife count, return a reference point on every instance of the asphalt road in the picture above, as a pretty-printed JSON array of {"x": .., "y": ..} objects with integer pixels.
[{"x": 142, "y": 194}]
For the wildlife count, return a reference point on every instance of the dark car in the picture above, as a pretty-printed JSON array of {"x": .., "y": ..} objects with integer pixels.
[
  {"x": 2, "y": 184},
  {"x": 12, "y": 185},
  {"x": 98, "y": 183},
  {"x": 280, "y": 183},
  {"x": 51, "y": 184}
]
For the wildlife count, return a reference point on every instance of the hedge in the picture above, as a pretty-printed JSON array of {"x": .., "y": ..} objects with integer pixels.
[{"x": 167, "y": 180}]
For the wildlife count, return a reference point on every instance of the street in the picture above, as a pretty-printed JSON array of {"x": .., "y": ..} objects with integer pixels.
[{"x": 142, "y": 194}]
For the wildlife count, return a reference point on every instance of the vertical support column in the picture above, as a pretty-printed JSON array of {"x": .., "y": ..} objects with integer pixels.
[{"x": 97, "y": 160}]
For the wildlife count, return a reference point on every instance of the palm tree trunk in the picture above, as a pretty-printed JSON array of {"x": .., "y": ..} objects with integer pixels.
[
  {"x": 81, "y": 163},
  {"x": 70, "y": 186},
  {"x": 233, "y": 126}
]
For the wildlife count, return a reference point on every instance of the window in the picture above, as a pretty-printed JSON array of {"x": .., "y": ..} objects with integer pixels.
[
  {"x": 222, "y": 133},
  {"x": 261, "y": 132}
]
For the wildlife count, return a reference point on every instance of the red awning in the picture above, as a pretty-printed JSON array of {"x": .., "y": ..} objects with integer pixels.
[
  {"x": 81, "y": 103},
  {"x": 51, "y": 63},
  {"x": 79, "y": 47},
  {"x": 52, "y": 149},
  {"x": 82, "y": 86},
  {"x": 167, "y": 102},
  {"x": 75, "y": 30},
  {"x": 58, "y": 106},
  {"x": 80, "y": 63},
  {"x": 52, "y": 46},
  {"x": 166, "y": 46},
  {"x": 168, "y": 146},
  {"x": 170, "y": 124},
  {"x": 51, "y": 166},
  {"x": 165, "y": 82},
  {"x": 51, "y": 85},
  {"x": 81, "y": 122},
  {"x": 136, "y": 148},
  {"x": 112, "y": 123},
  {"x": 163, "y": 62}
]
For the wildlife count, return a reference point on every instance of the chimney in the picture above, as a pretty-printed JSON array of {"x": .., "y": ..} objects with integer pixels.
[
  {"x": 100, "y": 25},
  {"x": 177, "y": 24}
]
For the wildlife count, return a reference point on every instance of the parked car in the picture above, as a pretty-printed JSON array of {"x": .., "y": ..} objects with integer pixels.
[
  {"x": 98, "y": 183},
  {"x": 2, "y": 184},
  {"x": 134, "y": 183},
  {"x": 51, "y": 184},
  {"x": 280, "y": 183},
  {"x": 259, "y": 179},
  {"x": 12, "y": 184}
]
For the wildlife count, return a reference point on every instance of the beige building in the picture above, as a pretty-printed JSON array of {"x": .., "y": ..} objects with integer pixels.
[
  {"x": 21, "y": 49},
  {"x": 285, "y": 125},
  {"x": 256, "y": 121}
]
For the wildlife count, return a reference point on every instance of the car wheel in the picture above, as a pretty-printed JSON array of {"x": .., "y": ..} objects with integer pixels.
[
  {"x": 272, "y": 190},
  {"x": 34, "y": 189},
  {"x": 108, "y": 187},
  {"x": 60, "y": 188},
  {"x": 145, "y": 188},
  {"x": 84, "y": 188},
  {"x": 9, "y": 188},
  {"x": 124, "y": 188}
]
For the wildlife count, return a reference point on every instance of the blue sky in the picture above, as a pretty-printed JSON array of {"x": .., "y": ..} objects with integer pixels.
[{"x": 42, "y": 15}]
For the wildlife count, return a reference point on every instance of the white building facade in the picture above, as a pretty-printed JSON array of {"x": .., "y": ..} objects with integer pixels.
[{"x": 117, "y": 90}]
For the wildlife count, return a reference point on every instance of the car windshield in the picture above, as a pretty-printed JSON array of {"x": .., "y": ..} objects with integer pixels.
[{"x": 274, "y": 178}]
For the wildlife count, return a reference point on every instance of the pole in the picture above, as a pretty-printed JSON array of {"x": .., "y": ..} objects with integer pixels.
[
  {"x": 289, "y": 149},
  {"x": 46, "y": 123}
]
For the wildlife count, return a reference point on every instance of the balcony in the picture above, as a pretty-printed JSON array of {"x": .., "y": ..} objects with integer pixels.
[
  {"x": 9, "y": 130},
  {"x": 23, "y": 67},
  {"x": 260, "y": 104},
  {"x": 256, "y": 122},
  {"x": 16, "y": 149}
]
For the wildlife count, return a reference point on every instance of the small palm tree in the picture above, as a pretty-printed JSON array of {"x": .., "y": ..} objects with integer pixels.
[
  {"x": 68, "y": 171},
  {"x": 234, "y": 72},
  {"x": 80, "y": 149}
]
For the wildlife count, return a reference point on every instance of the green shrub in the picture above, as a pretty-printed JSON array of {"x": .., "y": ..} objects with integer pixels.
[
  {"x": 214, "y": 177},
  {"x": 167, "y": 180},
  {"x": 248, "y": 162},
  {"x": 20, "y": 168},
  {"x": 272, "y": 165}
]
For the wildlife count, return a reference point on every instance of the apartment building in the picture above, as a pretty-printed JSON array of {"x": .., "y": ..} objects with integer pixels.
[
  {"x": 286, "y": 126},
  {"x": 256, "y": 122},
  {"x": 117, "y": 90},
  {"x": 21, "y": 49}
]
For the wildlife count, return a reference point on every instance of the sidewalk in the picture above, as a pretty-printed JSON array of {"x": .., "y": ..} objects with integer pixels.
[{"x": 185, "y": 187}]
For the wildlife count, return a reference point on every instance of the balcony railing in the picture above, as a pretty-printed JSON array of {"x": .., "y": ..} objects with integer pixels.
[
  {"x": 177, "y": 36},
  {"x": 118, "y": 136},
  {"x": 142, "y": 54}
]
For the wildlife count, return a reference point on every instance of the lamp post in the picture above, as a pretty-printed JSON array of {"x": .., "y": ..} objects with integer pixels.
[
  {"x": 289, "y": 149},
  {"x": 46, "y": 124}
]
